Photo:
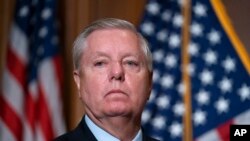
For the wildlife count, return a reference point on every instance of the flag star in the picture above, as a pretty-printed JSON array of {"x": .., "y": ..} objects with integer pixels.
[
  {"x": 166, "y": 16},
  {"x": 156, "y": 75},
  {"x": 146, "y": 114},
  {"x": 179, "y": 109},
  {"x": 200, "y": 10},
  {"x": 162, "y": 35},
  {"x": 181, "y": 88},
  {"x": 191, "y": 69},
  {"x": 24, "y": 11},
  {"x": 244, "y": 92},
  {"x": 222, "y": 105},
  {"x": 214, "y": 37},
  {"x": 210, "y": 57},
  {"x": 175, "y": 129},
  {"x": 193, "y": 49},
  {"x": 229, "y": 64},
  {"x": 159, "y": 122},
  {"x": 203, "y": 97},
  {"x": 46, "y": 13},
  {"x": 147, "y": 28},
  {"x": 199, "y": 117},
  {"x": 163, "y": 102},
  {"x": 177, "y": 20},
  {"x": 196, "y": 29},
  {"x": 174, "y": 41},
  {"x": 167, "y": 81},
  {"x": 158, "y": 55},
  {"x": 43, "y": 32},
  {"x": 171, "y": 61},
  {"x": 153, "y": 8},
  {"x": 206, "y": 77},
  {"x": 180, "y": 2},
  {"x": 225, "y": 85}
]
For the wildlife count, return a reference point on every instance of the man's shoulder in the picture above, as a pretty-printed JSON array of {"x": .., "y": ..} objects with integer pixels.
[
  {"x": 78, "y": 134},
  {"x": 64, "y": 137},
  {"x": 69, "y": 136}
]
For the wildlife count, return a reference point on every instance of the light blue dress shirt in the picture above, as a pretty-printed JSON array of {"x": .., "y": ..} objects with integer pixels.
[{"x": 102, "y": 135}]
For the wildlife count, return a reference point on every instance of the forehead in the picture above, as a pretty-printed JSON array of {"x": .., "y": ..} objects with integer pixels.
[{"x": 113, "y": 39}]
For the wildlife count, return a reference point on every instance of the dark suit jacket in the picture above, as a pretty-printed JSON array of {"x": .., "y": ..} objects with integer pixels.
[{"x": 83, "y": 133}]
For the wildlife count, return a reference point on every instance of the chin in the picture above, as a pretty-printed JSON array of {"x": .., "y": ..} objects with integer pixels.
[{"x": 113, "y": 112}]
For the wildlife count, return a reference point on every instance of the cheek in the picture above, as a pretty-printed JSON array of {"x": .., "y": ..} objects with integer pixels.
[
  {"x": 92, "y": 87},
  {"x": 140, "y": 87}
]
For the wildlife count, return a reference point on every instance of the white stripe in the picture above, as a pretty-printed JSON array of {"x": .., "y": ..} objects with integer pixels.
[
  {"x": 211, "y": 135},
  {"x": 50, "y": 85},
  {"x": 39, "y": 134},
  {"x": 243, "y": 118},
  {"x": 28, "y": 134},
  {"x": 5, "y": 133},
  {"x": 19, "y": 43},
  {"x": 13, "y": 93}
]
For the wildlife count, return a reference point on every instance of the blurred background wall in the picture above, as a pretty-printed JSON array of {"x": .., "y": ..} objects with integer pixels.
[{"x": 74, "y": 15}]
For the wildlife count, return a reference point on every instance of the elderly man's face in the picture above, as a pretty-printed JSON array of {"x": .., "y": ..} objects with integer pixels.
[{"x": 114, "y": 79}]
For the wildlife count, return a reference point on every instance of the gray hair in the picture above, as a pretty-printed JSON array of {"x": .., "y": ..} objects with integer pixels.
[{"x": 109, "y": 23}]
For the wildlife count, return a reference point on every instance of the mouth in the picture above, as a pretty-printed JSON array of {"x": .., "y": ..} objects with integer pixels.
[{"x": 116, "y": 91}]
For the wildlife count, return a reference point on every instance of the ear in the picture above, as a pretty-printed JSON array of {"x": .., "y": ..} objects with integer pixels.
[{"x": 77, "y": 80}]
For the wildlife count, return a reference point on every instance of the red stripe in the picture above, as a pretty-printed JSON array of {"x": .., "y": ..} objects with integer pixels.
[
  {"x": 224, "y": 131},
  {"x": 30, "y": 111},
  {"x": 58, "y": 69},
  {"x": 44, "y": 116},
  {"x": 11, "y": 119},
  {"x": 15, "y": 66}
]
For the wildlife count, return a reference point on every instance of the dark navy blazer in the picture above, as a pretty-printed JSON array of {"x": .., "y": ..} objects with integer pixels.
[{"x": 83, "y": 133}]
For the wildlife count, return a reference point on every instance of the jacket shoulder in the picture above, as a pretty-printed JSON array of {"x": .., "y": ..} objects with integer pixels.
[{"x": 80, "y": 133}]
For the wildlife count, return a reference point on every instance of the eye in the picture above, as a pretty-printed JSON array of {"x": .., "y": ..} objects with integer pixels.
[
  {"x": 99, "y": 63},
  {"x": 132, "y": 63}
]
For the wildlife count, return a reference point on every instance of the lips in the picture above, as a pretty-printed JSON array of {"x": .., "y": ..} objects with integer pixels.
[{"x": 115, "y": 91}]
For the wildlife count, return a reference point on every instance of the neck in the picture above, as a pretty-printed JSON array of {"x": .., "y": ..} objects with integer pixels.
[{"x": 123, "y": 128}]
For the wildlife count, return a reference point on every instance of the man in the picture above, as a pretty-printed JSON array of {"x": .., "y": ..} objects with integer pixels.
[{"x": 113, "y": 75}]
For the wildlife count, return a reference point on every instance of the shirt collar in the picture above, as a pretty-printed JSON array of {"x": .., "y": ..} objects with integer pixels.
[{"x": 102, "y": 135}]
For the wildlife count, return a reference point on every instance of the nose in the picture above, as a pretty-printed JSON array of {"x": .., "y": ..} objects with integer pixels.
[{"x": 117, "y": 72}]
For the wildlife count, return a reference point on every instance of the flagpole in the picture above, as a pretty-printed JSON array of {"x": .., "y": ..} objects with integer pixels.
[{"x": 187, "y": 118}]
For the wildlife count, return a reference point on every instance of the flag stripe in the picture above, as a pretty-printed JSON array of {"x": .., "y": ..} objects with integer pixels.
[
  {"x": 5, "y": 133},
  {"x": 19, "y": 43},
  {"x": 16, "y": 67},
  {"x": 51, "y": 87},
  {"x": 211, "y": 135},
  {"x": 30, "y": 111},
  {"x": 9, "y": 116},
  {"x": 13, "y": 91},
  {"x": 44, "y": 116},
  {"x": 224, "y": 131}
]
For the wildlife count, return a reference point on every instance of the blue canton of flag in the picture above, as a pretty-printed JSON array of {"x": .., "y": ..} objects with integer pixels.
[{"x": 219, "y": 77}]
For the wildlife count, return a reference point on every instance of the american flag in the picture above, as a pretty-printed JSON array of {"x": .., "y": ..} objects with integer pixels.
[
  {"x": 219, "y": 71},
  {"x": 30, "y": 96}
]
